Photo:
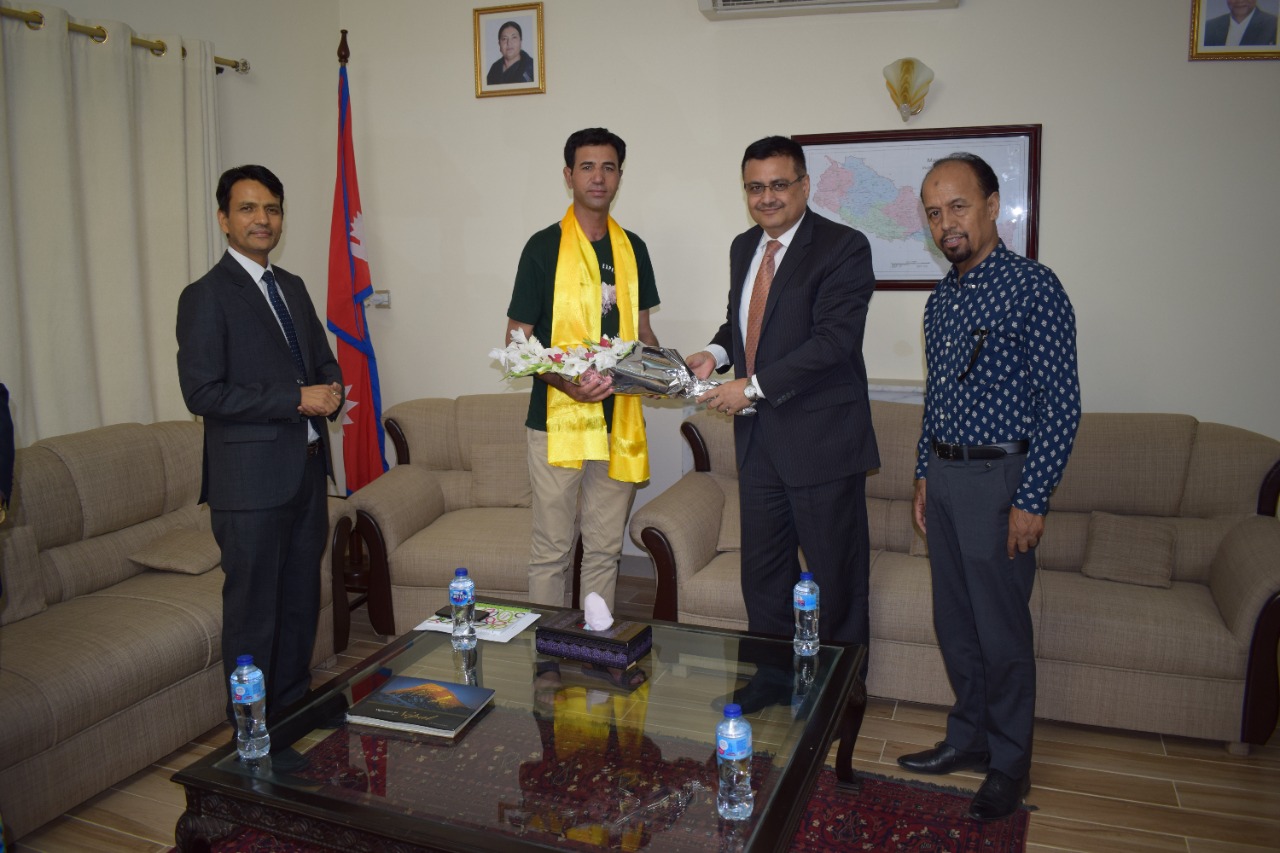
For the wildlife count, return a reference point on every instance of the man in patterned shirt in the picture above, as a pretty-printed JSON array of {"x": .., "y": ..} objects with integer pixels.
[{"x": 1002, "y": 403}]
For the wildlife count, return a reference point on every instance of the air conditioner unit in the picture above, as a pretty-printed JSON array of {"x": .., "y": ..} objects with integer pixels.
[{"x": 725, "y": 10}]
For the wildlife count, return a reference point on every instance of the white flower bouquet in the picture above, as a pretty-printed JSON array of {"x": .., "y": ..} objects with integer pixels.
[
  {"x": 528, "y": 357},
  {"x": 636, "y": 368}
]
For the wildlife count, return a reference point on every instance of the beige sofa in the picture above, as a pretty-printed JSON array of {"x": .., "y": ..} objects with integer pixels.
[
  {"x": 107, "y": 665},
  {"x": 459, "y": 496},
  {"x": 1157, "y": 599}
]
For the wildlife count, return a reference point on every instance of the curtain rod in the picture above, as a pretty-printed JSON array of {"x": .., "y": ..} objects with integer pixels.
[{"x": 35, "y": 20}]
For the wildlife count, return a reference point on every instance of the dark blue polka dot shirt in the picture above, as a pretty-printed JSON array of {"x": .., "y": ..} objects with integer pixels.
[{"x": 1023, "y": 383}]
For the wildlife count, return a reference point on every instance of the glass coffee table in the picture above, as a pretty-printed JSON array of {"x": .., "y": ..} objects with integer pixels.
[{"x": 567, "y": 757}]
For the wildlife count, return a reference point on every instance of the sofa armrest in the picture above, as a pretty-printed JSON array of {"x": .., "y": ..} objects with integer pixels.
[
  {"x": 401, "y": 502},
  {"x": 389, "y": 511},
  {"x": 679, "y": 530},
  {"x": 1244, "y": 579}
]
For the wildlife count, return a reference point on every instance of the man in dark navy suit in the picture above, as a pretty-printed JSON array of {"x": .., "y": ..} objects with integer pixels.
[
  {"x": 799, "y": 287},
  {"x": 254, "y": 362}
]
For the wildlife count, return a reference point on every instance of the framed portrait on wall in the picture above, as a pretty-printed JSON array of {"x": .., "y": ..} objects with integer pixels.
[
  {"x": 871, "y": 182},
  {"x": 1234, "y": 29},
  {"x": 509, "y": 57}
]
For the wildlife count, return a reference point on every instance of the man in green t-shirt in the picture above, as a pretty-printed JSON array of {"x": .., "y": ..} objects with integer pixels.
[{"x": 579, "y": 279}]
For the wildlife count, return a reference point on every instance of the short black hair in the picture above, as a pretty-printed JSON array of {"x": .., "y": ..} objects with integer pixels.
[
  {"x": 519, "y": 31},
  {"x": 987, "y": 180},
  {"x": 233, "y": 176},
  {"x": 593, "y": 136},
  {"x": 776, "y": 146}
]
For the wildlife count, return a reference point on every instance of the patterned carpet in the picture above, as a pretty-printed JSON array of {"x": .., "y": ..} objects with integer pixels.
[{"x": 567, "y": 797}]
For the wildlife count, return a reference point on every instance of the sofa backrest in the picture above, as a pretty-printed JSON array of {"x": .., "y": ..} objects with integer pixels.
[
  {"x": 476, "y": 444},
  {"x": 1201, "y": 478},
  {"x": 89, "y": 499}
]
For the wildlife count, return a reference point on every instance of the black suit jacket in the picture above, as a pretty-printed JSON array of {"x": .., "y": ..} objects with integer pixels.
[
  {"x": 816, "y": 421},
  {"x": 236, "y": 371},
  {"x": 1261, "y": 30}
]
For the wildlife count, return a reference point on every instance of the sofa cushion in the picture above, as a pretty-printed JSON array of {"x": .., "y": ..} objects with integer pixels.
[
  {"x": 902, "y": 599},
  {"x": 1129, "y": 550},
  {"x": 492, "y": 543},
  {"x": 182, "y": 449},
  {"x": 119, "y": 475},
  {"x": 183, "y": 549},
  {"x": 1177, "y": 631},
  {"x": 44, "y": 497},
  {"x": 1227, "y": 467},
  {"x": 897, "y": 427},
  {"x": 1127, "y": 463},
  {"x": 84, "y": 660},
  {"x": 485, "y": 419},
  {"x": 500, "y": 475},
  {"x": 20, "y": 575},
  {"x": 83, "y": 567}
]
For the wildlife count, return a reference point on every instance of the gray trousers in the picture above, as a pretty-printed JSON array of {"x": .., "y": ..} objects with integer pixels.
[{"x": 980, "y": 608}]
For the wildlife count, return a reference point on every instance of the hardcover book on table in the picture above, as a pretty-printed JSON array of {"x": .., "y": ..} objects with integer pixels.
[
  {"x": 620, "y": 645},
  {"x": 421, "y": 706}
]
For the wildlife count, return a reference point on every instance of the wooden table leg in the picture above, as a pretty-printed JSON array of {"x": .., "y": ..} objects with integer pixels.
[{"x": 850, "y": 724}]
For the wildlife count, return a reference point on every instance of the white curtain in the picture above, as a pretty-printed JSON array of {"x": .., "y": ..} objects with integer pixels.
[{"x": 108, "y": 160}]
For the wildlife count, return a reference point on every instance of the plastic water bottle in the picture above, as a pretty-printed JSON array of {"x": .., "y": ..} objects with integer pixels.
[
  {"x": 805, "y": 669},
  {"x": 462, "y": 595},
  {"x": 465, "y": 669},
  {"x": 805, "y": 599},
  {"x": 249, "y": 699},
  {"x": 734, "y": 800}
]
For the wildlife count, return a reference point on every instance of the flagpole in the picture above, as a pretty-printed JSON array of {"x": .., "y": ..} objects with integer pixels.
[{"x": 344, "y": 52}]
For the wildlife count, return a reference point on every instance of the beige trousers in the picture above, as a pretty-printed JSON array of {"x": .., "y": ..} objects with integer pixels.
[{"x": 569, "y": 500}]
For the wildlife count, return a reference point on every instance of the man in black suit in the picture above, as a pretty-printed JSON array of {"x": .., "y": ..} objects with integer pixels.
[
  {"x": 254, "y": 362},
  {"x": 1255, "y": 27},
  {"x": 799, "y": 287}
]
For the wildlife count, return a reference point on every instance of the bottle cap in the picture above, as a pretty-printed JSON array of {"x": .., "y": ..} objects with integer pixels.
[
  {"x": 459, "y": 573},
  {"x": 733, "y": 710},
  {"x": 806, "y": 576},
  {"x": 244, "y": 660}
]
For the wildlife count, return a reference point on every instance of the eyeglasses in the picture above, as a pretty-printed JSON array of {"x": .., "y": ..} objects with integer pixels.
[{"x": 778, "y": 187}]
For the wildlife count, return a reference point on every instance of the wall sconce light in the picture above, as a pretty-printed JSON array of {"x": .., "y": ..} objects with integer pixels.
[{"x": 908, "y": 82}]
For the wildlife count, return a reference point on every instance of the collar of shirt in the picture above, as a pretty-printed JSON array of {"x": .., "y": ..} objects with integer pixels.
[
  {"x": 254, "y": 269},
  {"x": 977, "y": 276},
  {"x": 1235, "y": 30},
  {"x": 749, "y": 284}
]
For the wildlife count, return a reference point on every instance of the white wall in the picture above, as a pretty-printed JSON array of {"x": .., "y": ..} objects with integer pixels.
[{"x": 1157, "y": 181}]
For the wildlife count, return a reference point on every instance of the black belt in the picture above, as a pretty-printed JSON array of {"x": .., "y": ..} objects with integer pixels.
[
  {"x": 315, "y": 448},
  {"x": 965, "y": 452}
]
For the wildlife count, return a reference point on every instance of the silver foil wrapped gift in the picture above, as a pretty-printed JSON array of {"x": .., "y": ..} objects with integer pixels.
[{"x": 659, "y": 371}]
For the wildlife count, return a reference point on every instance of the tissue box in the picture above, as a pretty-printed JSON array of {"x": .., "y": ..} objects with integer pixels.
[{"x": 565, "y": 635}]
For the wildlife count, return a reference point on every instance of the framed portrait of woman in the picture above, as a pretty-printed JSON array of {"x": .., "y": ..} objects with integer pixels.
[{"x": 509, "y": 53}]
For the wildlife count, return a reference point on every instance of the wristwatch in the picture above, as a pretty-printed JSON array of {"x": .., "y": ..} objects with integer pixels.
[{"x": 751, "y": 392}]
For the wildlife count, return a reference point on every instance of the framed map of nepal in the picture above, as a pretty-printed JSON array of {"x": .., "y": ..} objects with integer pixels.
[{"x": 871, "y": 181}]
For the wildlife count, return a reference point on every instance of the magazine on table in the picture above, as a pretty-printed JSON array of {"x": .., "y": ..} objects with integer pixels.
[
  {"x": 501, "y": 624},
  {"x": 421, "y": 706}
]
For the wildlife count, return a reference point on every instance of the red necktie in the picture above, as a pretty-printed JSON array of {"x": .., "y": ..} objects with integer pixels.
[{"x": 759, "y": 296}]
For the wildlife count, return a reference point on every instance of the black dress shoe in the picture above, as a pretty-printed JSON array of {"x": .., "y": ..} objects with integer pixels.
[
  {"x": 999, "y": 796},
  {"x": 944, "y": 758}
]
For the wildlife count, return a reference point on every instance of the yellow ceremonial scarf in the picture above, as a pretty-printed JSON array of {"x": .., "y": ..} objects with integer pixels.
[{"x": 576, "y": 431}]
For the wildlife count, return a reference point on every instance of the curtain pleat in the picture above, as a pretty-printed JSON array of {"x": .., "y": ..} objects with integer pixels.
[{"x": 107, "y": 152}]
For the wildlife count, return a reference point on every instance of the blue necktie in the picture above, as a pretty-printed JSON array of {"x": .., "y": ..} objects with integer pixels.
[{"x": 286, "y": 321}]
